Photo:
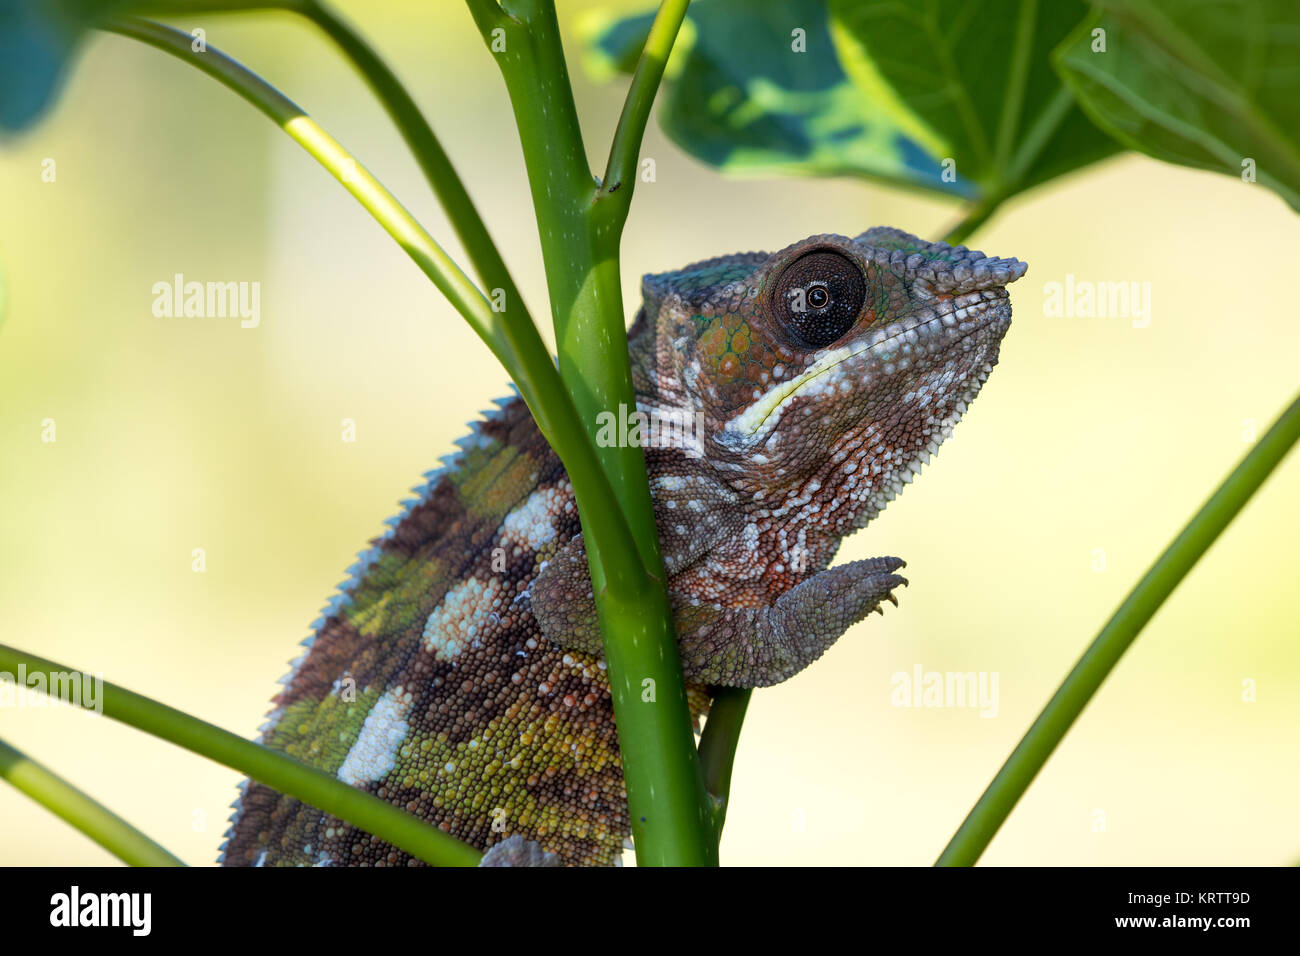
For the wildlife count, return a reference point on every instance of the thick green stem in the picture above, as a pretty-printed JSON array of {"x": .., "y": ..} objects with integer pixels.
[
  {"x": 717, "y": 750},
  {"x": 89, "y": 816},
  {"x": 580, "y": 227},
  {"x": 1115, "y": 638},
  {"x": 276, "y": 770}
]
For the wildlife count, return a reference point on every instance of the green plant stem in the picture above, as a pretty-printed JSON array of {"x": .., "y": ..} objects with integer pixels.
[
  {"x": 276, "y": 770},
  {"x": 718, "y": 746},
  {"x": 402, "y": 110},
  {"x": 89, "y": 816},
  {"x": 424, "y": 145},
  {"x": 580, "y": 226},
  {"x": 620, "y": 170},
  {"x": 717, "y": 749},
  {"x": 390, "y": 214},
  {"x": 1115, "y": 638},
  {"x": 1031, "y": 146},
  {"x": 975, "y": 217},
  {"x": 181, "y": 8},
  {"x": 514, "y": 341}
]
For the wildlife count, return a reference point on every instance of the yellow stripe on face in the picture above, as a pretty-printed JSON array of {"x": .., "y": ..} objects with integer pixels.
[{"x": 759, "y": 418}]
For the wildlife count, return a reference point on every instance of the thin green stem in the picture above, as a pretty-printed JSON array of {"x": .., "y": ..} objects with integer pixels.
[
  {"x": 513, "y": 341},
  {"x": 1115, "y": 638},
  {"x": 428, "y": 152},
  {"x": 86, "y": 814},
  {"x": 1031, "y": 146},
  {"x": 620, "y": 170},
  {"x": 975, "y": 217},
  {"x": 276, "y": 770},
  {"x": 428, "y": 255},
  {"x": 718, "y": 746},
  {"x": 179, "y": 8},
  {"x": 406, "y": 116}
]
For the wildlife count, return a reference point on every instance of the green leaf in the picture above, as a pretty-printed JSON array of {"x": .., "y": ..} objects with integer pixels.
[
  {"x": 38, "y": 39},
  {"x": 972, "y": 81},
  {"x": 611, "y": 43},
  {"x": 1203, "y": 83},
  {"x": 740, "y": 96}
]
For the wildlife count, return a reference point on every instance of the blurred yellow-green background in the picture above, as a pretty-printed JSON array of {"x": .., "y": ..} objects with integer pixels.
[{"x": 1090, "y": 446}]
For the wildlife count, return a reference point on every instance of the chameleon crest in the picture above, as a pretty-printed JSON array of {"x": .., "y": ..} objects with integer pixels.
[{"x": 458, "y": 674}]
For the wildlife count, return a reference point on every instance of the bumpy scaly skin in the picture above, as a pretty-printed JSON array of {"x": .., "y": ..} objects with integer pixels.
[{"x": 459, "y": 673}]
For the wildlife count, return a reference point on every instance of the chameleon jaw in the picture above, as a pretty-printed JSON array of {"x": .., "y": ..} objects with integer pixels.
[
  {"x": 753, "y": 424},
  {"x": 924, "y": 336}
]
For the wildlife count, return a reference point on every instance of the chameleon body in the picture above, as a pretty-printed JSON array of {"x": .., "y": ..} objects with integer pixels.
[{"x": 458, "y": 673}]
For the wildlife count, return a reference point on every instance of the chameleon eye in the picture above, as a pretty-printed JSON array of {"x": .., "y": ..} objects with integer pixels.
[{"x": 818, "y": 297}]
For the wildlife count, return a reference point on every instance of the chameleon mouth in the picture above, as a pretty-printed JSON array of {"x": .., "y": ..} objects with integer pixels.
[{"x": 915, "y": 341}]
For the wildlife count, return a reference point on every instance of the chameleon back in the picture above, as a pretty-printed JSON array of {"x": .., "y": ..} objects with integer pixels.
[
  {"x": 458, "y": 673},
  {"x": 428, "y": 682}
]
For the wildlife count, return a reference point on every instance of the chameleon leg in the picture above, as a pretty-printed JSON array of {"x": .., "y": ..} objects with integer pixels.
[
  {"x": 733, "y": 647},
  {"x": 758, "y": 647}
]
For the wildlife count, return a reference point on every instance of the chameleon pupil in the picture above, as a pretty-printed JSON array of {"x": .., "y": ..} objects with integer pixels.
[{"x": 818, "y": 297}]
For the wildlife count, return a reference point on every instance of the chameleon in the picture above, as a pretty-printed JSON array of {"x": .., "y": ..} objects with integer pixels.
[{"x": 458, "y": 672}]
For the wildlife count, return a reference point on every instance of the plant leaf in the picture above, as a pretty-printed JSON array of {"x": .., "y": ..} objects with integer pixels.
[
  {"x": 748, "y": 94},
  {"x": 972, "y": 80},
  {"x": 38, "y": 39},
  {"x": 1203, "y": 84}
]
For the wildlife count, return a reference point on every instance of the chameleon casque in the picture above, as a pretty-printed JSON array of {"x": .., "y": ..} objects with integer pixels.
[{"x": 458, "y": 673}]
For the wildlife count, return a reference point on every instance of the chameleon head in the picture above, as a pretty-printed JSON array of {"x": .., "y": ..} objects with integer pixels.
[{"x": 832, "y": 370}]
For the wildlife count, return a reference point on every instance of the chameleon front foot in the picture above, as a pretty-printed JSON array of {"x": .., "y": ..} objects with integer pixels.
[
  {"x": 758, "y": 647},
  {"x": 729, "y": 646}
]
